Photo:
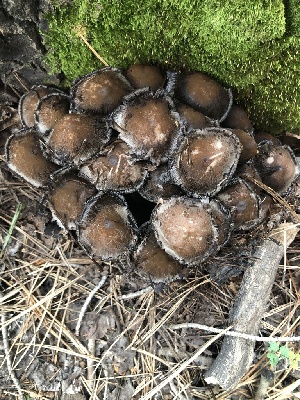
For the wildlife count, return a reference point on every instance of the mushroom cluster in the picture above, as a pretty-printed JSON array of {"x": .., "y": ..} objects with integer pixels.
[{"x": 157, "y": 167}]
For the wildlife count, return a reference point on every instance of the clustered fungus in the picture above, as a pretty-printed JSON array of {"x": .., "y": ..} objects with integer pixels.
[{"x": 168, "y": 146}]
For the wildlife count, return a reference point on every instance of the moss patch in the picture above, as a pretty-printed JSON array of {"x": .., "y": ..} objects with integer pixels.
[{"x": 251, "y": 46}]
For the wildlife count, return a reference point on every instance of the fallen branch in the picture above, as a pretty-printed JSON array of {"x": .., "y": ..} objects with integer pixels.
[{"x": 237, "y": 353}]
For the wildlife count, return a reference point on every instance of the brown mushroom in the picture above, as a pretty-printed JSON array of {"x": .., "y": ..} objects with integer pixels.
[
  {"x": 141, "y": 76},
  {"x": 99, "y": 92},
  {"x": 204, "y": 94},
  {"x": 185, "y": 229},
  {"x": 237, "y": 118},
  {"x": 205, "y": 160},
  {"x": 107, "y": 229},
  {"x": 25, "y": 157}
]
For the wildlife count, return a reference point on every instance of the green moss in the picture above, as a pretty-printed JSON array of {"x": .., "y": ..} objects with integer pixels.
[{"x": 251, "y": 46}]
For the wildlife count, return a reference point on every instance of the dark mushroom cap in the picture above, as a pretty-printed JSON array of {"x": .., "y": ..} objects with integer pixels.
[
  {"x": 243, "y": 203},
  {"x": 107, "y": 229},
  {"x": 159, "y": 184},
  {"x": 67, "y": 197},
  {"x": 141, "y": 76},
  {"x": 76, "y": 137},
  {"x": 51, "y": 108},
  {"x": 192, "y": 118},
  {"x": 204, "y": 94},
  {"x": 249, "y": 145},
  {"x": 222, "y": 219},
  {"x": 29, "y": 101},
  {"x": 148, "y": 123},
  {"x": 248, "y": 172},
  {"x": 150, "y": 258},
  {"x": 205, "y": 160},
  {"x": 185, "y": 229},
  {"x": 115, "y": 169},
  {"x": 237, "y": 118},
  {"x": 266, "y": 137},
  {"x": 99, "y": 92},
  {"x": 24, "y": 156},
  {"x": 277, "y": 166}
]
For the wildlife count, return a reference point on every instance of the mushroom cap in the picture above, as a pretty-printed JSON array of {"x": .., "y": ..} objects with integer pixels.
[
  {"x": 76, "y": 137},
  {"x": 222, "y": 219},
  {"x": 266, "y": 137},
  {"x": 159, "y": 184},
  {"x": 115, "y": 169},
  {"x": 25, "y": 157},
  {"x": 249, "y": 145},
  {"x": 192, "y": 118},
  {"x": 205, "y": 160},
  {"x": 185, "y": 229},
  {"x": 100, "y": 91},
  {"x": 107, "y": 229},
  {"x": 141, "y": 76},
  {"x": 29, "y": 101},
  {"x": 237, "y": 118},
  {"x": 277, "y": 166},
  {"x": 50, "y": 109},
  {"x": 204, "y": 94},
  {"x": 67, "y": 196},
  {"x": 148, "y": 123},
  {"x": 243, "y": 203},
  {"x": 153, "y": 260}
]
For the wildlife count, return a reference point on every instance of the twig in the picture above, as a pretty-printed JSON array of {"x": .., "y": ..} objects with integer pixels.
[
  {"x": 237, "y": 334},
  {"x": 87, "y": 302},
  {"x": 136, "y": 294},
  {"x": 7, "y": 356},
  {"x": 237, "y": 353}
]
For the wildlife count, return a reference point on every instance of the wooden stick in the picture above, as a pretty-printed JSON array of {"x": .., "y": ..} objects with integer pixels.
[{"x": 236, "y": 354}]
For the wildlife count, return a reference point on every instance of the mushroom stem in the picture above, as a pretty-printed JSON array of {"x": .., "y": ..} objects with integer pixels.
[{"x": 236, "y": 353}]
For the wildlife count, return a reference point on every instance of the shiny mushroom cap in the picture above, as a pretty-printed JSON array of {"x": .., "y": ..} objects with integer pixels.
[
  {"x": 115, "y": 169},
  {"x": 243, "y": 203},
  {"x": 99, "y": 92},
  {"x": 205, "y": 160},
  {"x": 148, "y": 123},
  {"x": 141, "y": 76},
  {"x": 25, "y": 157},
  {"x": 185, "y": 229},
  {"x": 107, "y": 229},
  {"x": 249, "y": 145},
  {"x": 204, "y": 94},
  {"x": 151, "y": 259},
  {"x": 277, "y": 166},
  {"x": 29, "y": 102},
  {"x": 193, "y": 119},
  {"x": 51, "y": 108},
  {"x": 237, "y": 118},
  {"x": 67, "y": 196},
  {"x": 75, "y": 138}
]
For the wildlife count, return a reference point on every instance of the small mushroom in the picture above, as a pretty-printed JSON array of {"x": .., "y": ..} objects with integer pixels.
[
  {"x": 249, "y": 145},
  {"x": 243, "y": 203},
  {"x": 205, "y": 160},
  {"x": 29, "y": 102},
  {"x": 67, "y": 196},
  {"x": 115, "y": 169},
  {"x": 151, "y": 259},
  {"x": 99, "y": 92},
  {"x": 193, "y": 119},
  {"x": 24, "y": 156},
  {"x": 185, "y": 229},
  {"x": 222, "y": 219},
  {"x": 237, "y": 118},
  {"x": 248, "y": 172},
  {"x": 75, "y": 138},
  {"x": 266, "y": 137},
  {"x": 141, "y": 76},
  {"x": 277, "y": 166},
  {"x": 159, "y": 185},
  {"x": 51, "y": 108},
  {"x": 148, "y": 123},
  {"x": 204, "y": 94},
  {"x": 107, "y": 229}
]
